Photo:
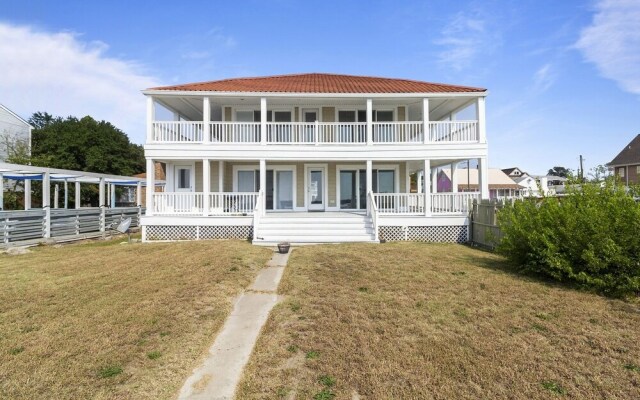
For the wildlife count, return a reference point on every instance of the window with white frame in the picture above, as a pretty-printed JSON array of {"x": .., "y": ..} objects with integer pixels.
[{"x": 621, "y": 172}]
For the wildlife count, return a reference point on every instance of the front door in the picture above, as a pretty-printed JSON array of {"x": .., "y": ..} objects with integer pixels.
[
  {"x": 183, "y": 178},
  {"x": 315, "y": 189}
]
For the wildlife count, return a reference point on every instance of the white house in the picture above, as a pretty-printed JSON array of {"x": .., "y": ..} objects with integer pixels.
[
  {"x": 311, "y": 158},
  {"x": 501, "y": 186},
  {"x": 12, "y": 129}
]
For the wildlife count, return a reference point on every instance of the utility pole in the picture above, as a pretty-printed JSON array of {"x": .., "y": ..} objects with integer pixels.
[{"x": 581, "y": 174}]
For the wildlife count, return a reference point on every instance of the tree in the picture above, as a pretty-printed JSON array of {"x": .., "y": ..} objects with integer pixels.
[
  {"x": 560, "y": 171},
  {"x": 84, "y": 145}
]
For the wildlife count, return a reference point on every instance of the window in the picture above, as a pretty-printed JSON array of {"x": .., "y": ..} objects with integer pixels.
[
  {"x": 353, "y": 186},
  {"x": 638, "y": 169},
  {"x": 621, "y": 172}
]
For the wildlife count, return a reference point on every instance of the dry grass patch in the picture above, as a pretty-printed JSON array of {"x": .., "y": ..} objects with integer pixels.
[
  {"x": 437, "y": 321},
  {"x": 109, "y": 321}
]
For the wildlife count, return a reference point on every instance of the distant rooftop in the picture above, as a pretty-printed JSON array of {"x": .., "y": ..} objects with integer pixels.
[{"x": 629, "y": 155}]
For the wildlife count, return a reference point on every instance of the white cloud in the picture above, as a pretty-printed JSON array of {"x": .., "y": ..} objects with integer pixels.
[
  {"x": 463, "y": 38},
  {"x": 62, "y": 75},
  {"x": 612, "y": 42},
  {"x": 543, "y": 78}
]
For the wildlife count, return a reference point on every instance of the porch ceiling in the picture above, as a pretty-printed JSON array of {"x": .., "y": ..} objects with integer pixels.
[{"x": 190, "y": 107}]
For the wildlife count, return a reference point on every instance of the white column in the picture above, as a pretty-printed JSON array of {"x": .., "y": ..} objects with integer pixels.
[
  {"x": 77, "y": 194},
  {"x": 454, "y": 177},
  {"x": 369, "y": 186},
  {"x": 56, "y": 195},
  {"x": 1, "y": 192},
  {"x": 369, "y": 121},
  {"x": 206, "y": 185},
  {"x": 482, "y": 123},
  {"x": 66, "y": 194},
  {"x": 151, "y": 116},
  {"x": 151, "y": 184},
  {"x": 425, "y": 119},
  {"x": 483, "y": 178},
  {"x": 434, "y": 180},
  {"x": 112, "y": 202},
  {"x": 263, "y": 182},
  {"x": 27, "y": 194},
  {"x": 263, "y": 120},
  {"x": 46, "y": 203},
  {"x": 139, "y": 194},
  {"x": 220, "y": 176},
  {"x": 427, "y": 188},
  {"x": 206, "y": 119},
  {"x": 102, "y": 202}
]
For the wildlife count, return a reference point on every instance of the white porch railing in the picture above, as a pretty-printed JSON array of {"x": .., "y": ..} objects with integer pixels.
[
  {"x": 258, "y": 212},
  {"x": 177, "y": 131},
  {"x": 237, "y": 203},
  {"x": 397, "y": 132},
  {"x": 192, "y": 203},
  {"x": 235, "y": 132},
  {"x": 453, "y": 131},
  {"x": 413, "y": 203},
  {"x": 177, "y": 203},
  {"x": 452, "y": 203},
  {"x": 315, "y": 132},
  {"x": 373, "y": 211}
]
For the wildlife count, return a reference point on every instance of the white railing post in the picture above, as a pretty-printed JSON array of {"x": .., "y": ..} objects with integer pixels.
[
  {"x": 206, "y": 120},
  {"x": 27, "y": 194},
  {"x": 206, "y": 186},
  {"x": 369, "y": 122},
  {"x": 316, "y": 131},
  {"x": 151, "y": 116},
  {"x": 483, "y": 177},
  {"x": 263, "y": 184},
  {"x": 77, "y": 195},
  {"x": 1, "y": 192},
  {"x": 101, "y": 201},
  {"x": 263, "y": 120},
  {"x": 369, "y": 178},
  {"x": 151, "y": 178},
  {"x": 427, "y": 188},
  {"x": 139, "y": 194},
  {"x": 425, "y": 120},
  {"x": 46, "y": 203}
]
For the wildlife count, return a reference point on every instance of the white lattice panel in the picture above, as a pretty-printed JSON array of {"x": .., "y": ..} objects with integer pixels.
[
  {"x": 178, "y": 232},
  {"x": 226, "y": 232},
  {"x": 437, "y": 234}
]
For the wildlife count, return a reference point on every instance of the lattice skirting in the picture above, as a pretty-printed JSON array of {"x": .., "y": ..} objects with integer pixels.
[
  {"x": 181, "y": 232},
  {"x": 438, "y": 234}
]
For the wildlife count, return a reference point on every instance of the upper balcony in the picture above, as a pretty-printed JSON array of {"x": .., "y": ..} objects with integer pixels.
[{"x": 315, "y": 133}]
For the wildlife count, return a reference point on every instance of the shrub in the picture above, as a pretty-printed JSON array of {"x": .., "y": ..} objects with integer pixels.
[{"x": 589, "y": 237}]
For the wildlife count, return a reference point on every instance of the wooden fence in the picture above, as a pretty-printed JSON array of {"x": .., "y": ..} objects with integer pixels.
[
  {"x": 484, "y": 223},
  {"x": 40, "y": 225}
]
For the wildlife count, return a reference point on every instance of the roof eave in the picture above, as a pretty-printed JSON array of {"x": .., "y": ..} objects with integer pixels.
[{"x": 200, "y": 93}]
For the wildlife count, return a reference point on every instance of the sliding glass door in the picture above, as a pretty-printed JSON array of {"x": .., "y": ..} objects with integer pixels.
[
  {"x": 279, "y": 190},
  {"x": 353, "y": 186}
]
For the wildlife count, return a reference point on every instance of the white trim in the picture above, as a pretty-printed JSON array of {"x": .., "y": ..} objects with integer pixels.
[
  {"x": 325, "y": 184},
  {"x": 192, "y": 176},
  {"x": 193, "y": 93}
]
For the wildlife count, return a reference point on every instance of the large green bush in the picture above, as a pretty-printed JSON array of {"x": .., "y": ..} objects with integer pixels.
[{"x": 590, "y": 237}]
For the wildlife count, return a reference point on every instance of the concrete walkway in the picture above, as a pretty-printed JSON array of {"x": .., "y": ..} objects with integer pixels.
[{"x": 218, "y": 377}]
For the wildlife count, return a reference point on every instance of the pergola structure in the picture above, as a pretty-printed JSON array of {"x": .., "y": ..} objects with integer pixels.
[{"x": 106, "y": 183}]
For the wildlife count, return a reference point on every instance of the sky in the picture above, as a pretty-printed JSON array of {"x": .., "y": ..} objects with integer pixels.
[{"x": 563, "y": 76}]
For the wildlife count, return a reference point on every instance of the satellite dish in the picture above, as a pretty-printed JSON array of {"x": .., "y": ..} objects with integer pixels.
[{"x": 124, "y": 226}]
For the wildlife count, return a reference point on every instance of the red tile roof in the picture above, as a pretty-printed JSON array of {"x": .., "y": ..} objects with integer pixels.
[{"x": 321, "y": 83}]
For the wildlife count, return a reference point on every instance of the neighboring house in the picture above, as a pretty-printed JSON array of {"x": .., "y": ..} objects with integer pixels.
[
  {"x": 514, "y": 172},
  {"x": 311, "y": 158},
  {"x": 12, "y": 129},
  {"x": 500, "y": 185},
  {"x": 159, "y": 174},
  {"x": 626, "y": 165}
]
